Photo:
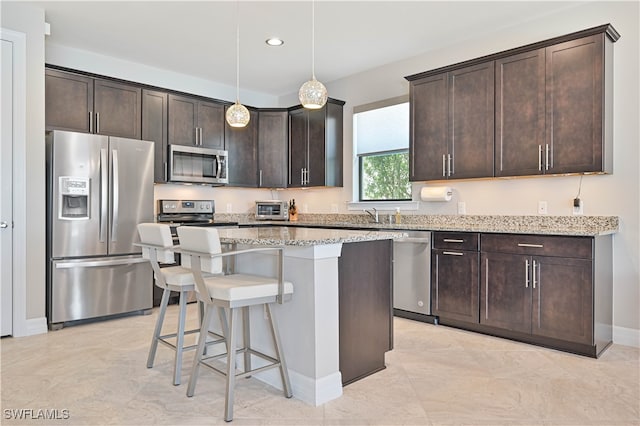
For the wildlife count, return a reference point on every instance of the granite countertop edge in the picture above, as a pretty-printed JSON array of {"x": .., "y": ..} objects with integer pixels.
[{"x": 588, "y": 226}]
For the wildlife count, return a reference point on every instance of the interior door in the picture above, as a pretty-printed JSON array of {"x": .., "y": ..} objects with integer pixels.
[{"x": 6, "y": 195}]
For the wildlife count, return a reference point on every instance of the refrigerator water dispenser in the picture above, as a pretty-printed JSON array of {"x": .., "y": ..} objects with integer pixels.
[{"x": 74, "y": 198}]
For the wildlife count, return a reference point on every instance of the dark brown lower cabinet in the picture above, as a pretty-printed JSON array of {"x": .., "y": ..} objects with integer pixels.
[
  {"x": 454, "y": 285},
  {"x": 550, "y": 290},
  {"x": 365, "y": 308}
]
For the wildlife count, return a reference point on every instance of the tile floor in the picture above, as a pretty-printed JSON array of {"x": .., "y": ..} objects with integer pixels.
[{"x": 435, "y": 376}]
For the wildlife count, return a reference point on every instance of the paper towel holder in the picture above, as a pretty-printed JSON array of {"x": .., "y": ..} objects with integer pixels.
[{"x": 436, "y": 193}]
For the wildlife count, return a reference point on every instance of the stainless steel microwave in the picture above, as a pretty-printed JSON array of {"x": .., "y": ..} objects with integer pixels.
[
  {"x": 194, "y": 164},
  {"x": 272, "y": 210}
]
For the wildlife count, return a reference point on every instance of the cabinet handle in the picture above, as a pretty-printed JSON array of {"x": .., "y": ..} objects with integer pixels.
[
  {"x": 530, "y": 245},
  {"x": 201, "y": 136},
  {"x": 451, "y": 240},
  {"x": 449, "y": 164},
  {"x": 453, "y": 253},
  {"x": 444, "y": 166},
  {"x": 535, "y": 266},
  {"x": 307, "y": 173},
  {"x": 90, "y": 121},
  {"x": 165, "y": 171},
  {"x": 526, "y": 273},
  {"x": 302, "y": 176},
  {"x": 539, "y": 158},
  {"x": 260, "y": 178},
  {"x": 546, "y": 166},
  {"x": 97, "y": 122}
]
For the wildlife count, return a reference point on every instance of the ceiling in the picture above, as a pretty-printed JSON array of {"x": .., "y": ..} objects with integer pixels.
[{"x": 198, "y": 38}]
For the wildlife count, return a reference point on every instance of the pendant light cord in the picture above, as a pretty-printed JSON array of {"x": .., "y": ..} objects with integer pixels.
[
  {"x": 237, "y": 52},
  {"x": 313, "y": 39}
]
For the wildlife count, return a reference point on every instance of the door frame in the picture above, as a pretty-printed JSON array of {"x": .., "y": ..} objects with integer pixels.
[{"x": 19, "y": 41}]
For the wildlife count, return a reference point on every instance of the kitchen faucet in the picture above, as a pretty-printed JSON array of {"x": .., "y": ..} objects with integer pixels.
[{"x": 373, "y": 215}]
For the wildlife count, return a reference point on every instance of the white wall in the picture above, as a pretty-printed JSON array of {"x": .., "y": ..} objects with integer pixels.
[
  {"x": 617, "y": 194},
  {"x": 30, "y": 21}
]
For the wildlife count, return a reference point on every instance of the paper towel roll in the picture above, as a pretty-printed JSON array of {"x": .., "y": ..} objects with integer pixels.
[{"x": 436, "y": 193}]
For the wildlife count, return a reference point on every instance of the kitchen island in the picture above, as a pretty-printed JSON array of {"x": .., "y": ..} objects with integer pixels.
[{"x": 338, "y": 276}]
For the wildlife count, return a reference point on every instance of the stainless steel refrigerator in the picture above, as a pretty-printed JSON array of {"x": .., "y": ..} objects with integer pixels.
[{"x": 98, "y": 189}]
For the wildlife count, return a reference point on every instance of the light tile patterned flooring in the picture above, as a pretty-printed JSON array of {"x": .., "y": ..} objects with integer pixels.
[{"x": 435, "y": 376}]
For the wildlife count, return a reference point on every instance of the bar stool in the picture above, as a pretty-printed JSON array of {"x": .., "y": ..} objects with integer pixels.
[
  {"x": 200, "y": 250},
  {"x": 157, "y": 247}
]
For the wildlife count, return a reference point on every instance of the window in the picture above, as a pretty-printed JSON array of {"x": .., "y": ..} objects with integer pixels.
[{"x": 381, "y": 141}]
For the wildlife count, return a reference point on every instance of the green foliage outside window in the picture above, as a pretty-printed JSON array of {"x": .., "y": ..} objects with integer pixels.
[{"x": 385, "y": 177}]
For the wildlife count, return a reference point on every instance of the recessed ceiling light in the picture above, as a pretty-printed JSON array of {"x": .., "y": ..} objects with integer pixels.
[{"x": 274, "y": 41}]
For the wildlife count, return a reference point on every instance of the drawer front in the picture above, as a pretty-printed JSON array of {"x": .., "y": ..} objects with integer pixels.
[
  {"x": 538, "y": 245},
  {"x": 456, "y": 240}
]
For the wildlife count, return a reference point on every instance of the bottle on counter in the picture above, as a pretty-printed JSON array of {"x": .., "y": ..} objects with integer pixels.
[
  {"x": 398, "y": 215},
  {"x": 293, "y": 211}
]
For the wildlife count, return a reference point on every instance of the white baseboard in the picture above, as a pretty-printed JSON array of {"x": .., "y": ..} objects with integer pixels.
[
  {"x": 36, "y": 326},
  {"x": 626, "y": 336},
  {"x": 314, "y": 392}
]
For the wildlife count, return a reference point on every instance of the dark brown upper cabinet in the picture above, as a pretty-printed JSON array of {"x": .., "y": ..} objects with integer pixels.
[
  {"x": 273, "y": 138},
  {"x": 452, "y": 124},
  {"x": 242, "y": 145},
  {"x": 196, "y": 122},
  {"x": 81, "y": 103},
  {"x": 154, "y": 128},
  {"x": 315, "y": 145},
  {"x": 552, "y": 111},
  {"x": 520, "y": 114}
]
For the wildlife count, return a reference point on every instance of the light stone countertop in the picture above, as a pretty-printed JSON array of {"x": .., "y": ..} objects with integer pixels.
[
  {"x": 299, "y": 236},
  {"x": 539, "y": 224}
]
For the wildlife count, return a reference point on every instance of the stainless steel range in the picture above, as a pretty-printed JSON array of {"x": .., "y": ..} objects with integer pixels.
[{"x": 189, "y": 213}]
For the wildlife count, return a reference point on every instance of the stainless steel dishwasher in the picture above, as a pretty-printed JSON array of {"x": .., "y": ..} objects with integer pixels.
[{"x": 412, "y": 276}]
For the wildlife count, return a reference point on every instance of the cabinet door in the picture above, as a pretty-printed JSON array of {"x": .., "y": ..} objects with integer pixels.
[
  {"x": 154, "y": 128},
  {"x": 242, "y": 145},
  {"x": 272, "y": 149},
  {"x": 316, "y": 145},
  {"x": 471, "y": 114},
  {"x": 505, "y": 294},
  {"x": 519, "y": 114},
  {"x": 574, "y": 72},
  {"x": 211, "y": 122},
  {"x": 118, "y": 109},
  {"x": 563, "y": 299},
  {"x": 298, "y": 137},
  {"x": 182, "y": 120},
  {"x": 454, "y": 285},
  {"x": 68, "y": 101},
  {"x": 428, "y": 124}
]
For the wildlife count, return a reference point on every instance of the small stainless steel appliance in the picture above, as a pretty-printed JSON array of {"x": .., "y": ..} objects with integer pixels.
[
  {"x": 412, "y": 276},
  {"x": 272, "y": 210},
  {"x": 98, "y": 189},
  {"x": 195, "y": 164}
]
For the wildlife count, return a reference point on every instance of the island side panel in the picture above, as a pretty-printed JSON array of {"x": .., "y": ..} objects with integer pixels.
[{"x": 365, "y": 307}]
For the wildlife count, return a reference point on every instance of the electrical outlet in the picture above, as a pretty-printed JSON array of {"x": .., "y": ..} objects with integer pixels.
[
  {"x": 229, "y": 207},
  {"x": 542, "y": 207},
  {"x": 578, "y": 206},
  {"x": 462, "y": 207}
]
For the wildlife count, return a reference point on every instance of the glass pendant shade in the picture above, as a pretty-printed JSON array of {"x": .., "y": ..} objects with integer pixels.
[
  {"x": 238, "y": 115},
  {"x": 313, "y": 94}
]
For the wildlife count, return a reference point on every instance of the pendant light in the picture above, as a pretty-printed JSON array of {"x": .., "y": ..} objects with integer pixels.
[
  {"x": 237, "y": 114},
  {"x": 313, "y": 94}
]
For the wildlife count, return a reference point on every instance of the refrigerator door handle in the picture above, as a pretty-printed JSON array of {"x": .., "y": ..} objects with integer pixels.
[
  {"x": 104, "y": 193},
  {"x": 116, "y": 196},
  {"x": 96, "y": 263}
]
